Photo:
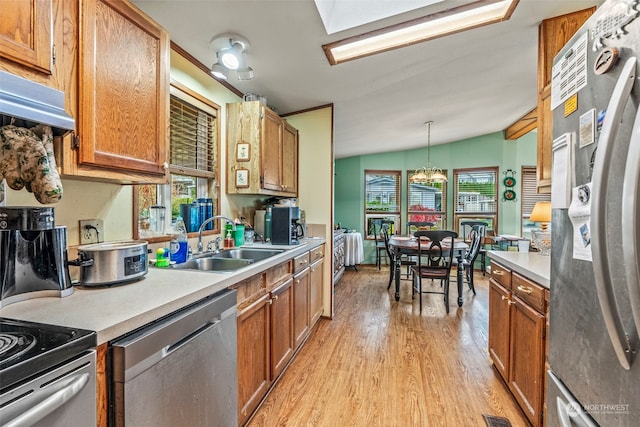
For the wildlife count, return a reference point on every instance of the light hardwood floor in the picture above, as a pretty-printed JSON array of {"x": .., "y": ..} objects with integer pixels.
[{"x": 383, "y": 363}]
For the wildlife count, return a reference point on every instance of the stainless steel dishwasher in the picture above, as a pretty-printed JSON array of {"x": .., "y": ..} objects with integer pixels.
[{"x": 180, "y": 370}]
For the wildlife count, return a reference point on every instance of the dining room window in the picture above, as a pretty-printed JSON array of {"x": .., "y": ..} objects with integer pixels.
[
  {"x": 427, "y": 202},
  {"x": 530, "y": 195},
  {"x": 382, "y": 198},
  {"x": 475, "y": 194},
  {"x": 193, "y": 166}
]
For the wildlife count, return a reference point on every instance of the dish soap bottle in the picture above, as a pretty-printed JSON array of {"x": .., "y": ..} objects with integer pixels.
[
  {"x": 179, "y": 243},
  {"x": 228, "y": 241}
]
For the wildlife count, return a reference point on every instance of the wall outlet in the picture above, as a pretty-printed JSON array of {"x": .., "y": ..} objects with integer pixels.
[{"x": 91, "y": 231}]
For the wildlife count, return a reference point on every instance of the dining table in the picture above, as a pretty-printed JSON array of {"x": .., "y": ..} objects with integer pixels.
[{"x": 408, "y": 245}]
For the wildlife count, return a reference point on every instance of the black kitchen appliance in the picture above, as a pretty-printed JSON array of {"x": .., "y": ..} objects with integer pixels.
[
  {"x": 33, "y": 255},
  {"x": 285, "y": 229},
  {"x": 48, "y": 374}
]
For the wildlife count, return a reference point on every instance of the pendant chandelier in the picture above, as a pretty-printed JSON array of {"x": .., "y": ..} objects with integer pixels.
[{"x": 428, "y": 174}]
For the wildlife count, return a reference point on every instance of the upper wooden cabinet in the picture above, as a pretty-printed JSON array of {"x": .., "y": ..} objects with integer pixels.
[
  {"x": 553, "y": 34},
  {"x": 262, "y": 151},
  {"x": 26, "y": 33},
  {"x": 123, "y": 118}
]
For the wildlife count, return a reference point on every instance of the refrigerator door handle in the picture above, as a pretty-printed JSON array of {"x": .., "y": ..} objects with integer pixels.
[
  {"x": 601, "y": 269},
  {"x": 630, "y": 221}
]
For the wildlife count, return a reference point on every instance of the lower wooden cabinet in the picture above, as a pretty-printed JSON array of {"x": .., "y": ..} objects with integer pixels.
[
  {"x": 254, "y": 353},
  {"x": 315, "y": 291},
  {"x": 281, "y": 323},
  {"x": 301, "y": 288},
  {"x": 517, "y": 338}
]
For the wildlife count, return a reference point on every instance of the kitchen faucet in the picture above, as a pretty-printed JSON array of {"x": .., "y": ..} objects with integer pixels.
[{"x": 207, "y": 221}]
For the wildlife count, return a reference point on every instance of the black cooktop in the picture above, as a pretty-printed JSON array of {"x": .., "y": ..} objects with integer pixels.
[{"x": 29, "y": 348}]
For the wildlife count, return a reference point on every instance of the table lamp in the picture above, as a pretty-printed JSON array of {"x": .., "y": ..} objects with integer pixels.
[{"x": 542, "y": 237}]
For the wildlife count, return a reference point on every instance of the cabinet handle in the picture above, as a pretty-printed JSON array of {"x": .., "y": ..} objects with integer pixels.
[
  {"x": 525, "y": 290},
  {"x": 511, "y": 302},
  {"x": 275, "y": 298},
  {"x": 498, "y": 272},
  {"x": 504, "y": 298}
]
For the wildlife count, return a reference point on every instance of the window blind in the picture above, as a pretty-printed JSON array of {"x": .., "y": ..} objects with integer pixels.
[
  {"x": 192, "y": 134},
  {"x": 529, "y": 191}
]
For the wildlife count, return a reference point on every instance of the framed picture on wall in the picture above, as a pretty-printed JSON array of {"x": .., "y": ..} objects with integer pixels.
[
  {"x": 242, "y": 178},
  {"x": 243, "y": 152}
]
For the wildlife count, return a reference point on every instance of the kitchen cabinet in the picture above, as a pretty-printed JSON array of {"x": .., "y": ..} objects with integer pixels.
[
  {"x": 281, "y": 321},
  {"x": 26, "y": 34},
  {"x": 254, "y": 361},
  {"x": 262, "y": 151},
  {"x": 301, "y": 292},
  {"x": 123, "y": 116},
  {"x": 553, "y": 34},
  {"x": 316, "y": 258},
  {"x": 112, "y": 63},
  {"x": 265, "y": 334},
  {"x": 517, "y": 336}
]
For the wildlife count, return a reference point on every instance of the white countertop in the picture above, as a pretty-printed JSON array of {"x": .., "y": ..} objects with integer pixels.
[
  {"x": 531, "y": 265},
  {"x": 115, "y": 310}
]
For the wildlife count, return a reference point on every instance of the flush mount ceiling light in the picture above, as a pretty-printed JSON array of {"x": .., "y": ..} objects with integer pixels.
[
  {"x": 428, "y": 174},
  {"x": 472, "y": 15},
  {"x": 231, "y": 55}
]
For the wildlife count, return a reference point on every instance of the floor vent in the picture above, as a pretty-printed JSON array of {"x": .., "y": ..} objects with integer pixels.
[{"x": 493, "y": 421}]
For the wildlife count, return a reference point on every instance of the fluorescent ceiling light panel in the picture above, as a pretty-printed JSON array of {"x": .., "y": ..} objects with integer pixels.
[
  {"x": 339, "y": 15},
  {"x": 472, "y": 15}
]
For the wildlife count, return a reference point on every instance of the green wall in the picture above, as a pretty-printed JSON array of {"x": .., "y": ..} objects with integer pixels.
[{"x": 486, "y": 150}]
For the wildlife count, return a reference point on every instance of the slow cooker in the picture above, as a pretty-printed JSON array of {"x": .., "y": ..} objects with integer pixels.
[{"x": 111, "y": 262}]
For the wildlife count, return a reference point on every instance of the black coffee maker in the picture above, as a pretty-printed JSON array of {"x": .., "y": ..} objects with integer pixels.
[
  {"x": 33, "y": 255},
  {"x": 285, "y": 229}
]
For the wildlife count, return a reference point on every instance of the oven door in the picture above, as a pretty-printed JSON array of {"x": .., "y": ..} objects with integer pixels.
[{"x": 64, "y": 396}]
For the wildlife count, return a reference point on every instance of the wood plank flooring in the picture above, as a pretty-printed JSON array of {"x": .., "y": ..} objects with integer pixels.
[{"x": 383, "y": 363}]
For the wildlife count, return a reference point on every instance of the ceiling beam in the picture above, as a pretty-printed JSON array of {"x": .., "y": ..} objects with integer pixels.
[{"x": 522, "y": 126}]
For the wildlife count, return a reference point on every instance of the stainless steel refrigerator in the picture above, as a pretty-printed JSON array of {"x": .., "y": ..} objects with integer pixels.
[{"x": 594, "y": 351}]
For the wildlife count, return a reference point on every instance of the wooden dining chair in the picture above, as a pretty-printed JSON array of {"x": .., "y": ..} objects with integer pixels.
[
  {"x": 379, "y": 245},
  {"x": 470, "y": 255},
  {"x": 435, "y": 258},
  {"x": 482, "y": 226},
  {"x": 392, "y": 258}
]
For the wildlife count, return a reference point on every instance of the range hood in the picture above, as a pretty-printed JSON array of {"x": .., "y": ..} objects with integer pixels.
[{"x": 27, "y": 103}]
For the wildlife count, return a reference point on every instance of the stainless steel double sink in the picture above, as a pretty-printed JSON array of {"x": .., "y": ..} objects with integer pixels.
[{"x": 228, "y": 260}]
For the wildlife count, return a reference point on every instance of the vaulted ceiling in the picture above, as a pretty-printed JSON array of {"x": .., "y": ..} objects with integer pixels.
[{"x": 470, "y": 83}]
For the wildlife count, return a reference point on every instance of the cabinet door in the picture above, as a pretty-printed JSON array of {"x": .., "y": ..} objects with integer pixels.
[
  {"x": 499, "y": 315},
  {"x": 124, "y": 95},
  {"x": 301, "y": 284},
  {"x": 526, "y": 370},
  {"x": 282, "y": 341},
  {"x": 253, "y": 356},
  {"x": 26, "y": 33},
  {"x": 271, "y": 150},
  {"x": 290, "y": 159},
  {"x": 315, "y": 293}
]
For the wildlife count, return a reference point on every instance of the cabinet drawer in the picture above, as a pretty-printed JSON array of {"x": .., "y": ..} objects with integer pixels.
[
  {"x": 501, "y": 275},
  {"x": 316, "y": 253},
  {"x": 277, "y": 274},
  {"x": 249, "y": 290},
  {"x": 530, "y": 292},
  {"x": 301, "y": 262}
]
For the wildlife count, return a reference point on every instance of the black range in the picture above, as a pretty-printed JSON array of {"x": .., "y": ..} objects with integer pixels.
[{"x": 30, "y": 348}]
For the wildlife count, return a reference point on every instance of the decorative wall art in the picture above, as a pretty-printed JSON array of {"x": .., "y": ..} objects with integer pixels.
[
  {"x": 243, "y": 152},
  {"x": 242, "y": 178},
  {"x": 509, "y": 181}
]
